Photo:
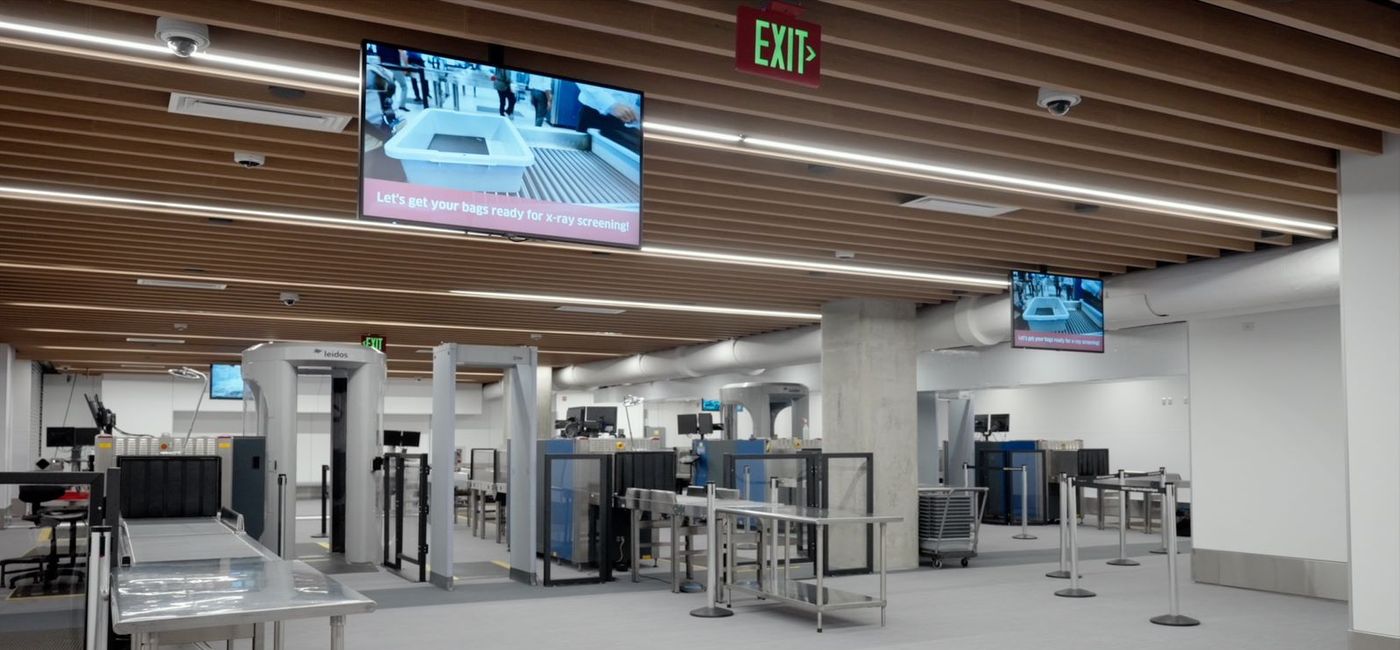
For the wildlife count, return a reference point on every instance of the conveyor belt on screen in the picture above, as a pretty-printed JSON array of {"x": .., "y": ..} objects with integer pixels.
[
  {"x": 573, "y": 176},
  {"x": 1080, "y": 323}
]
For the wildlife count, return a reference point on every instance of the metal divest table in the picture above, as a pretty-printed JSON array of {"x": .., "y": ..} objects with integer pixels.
[
  {"x": 211, "y": 584},
  {"x": 774, "y": 577}
]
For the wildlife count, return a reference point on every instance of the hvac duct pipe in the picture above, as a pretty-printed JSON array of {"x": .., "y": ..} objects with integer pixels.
[
  {"x": 1283, "y": 278},
  {"x": 785, "y": 348}
]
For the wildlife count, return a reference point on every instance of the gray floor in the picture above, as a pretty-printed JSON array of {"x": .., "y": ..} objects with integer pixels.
[{"x": 1002, "y": 601}]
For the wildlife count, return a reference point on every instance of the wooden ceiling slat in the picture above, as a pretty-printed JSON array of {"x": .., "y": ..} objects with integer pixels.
[
  {"x": 850, "y": 128},
  {"x": 1243, "y": 37},
  {"x": 1049, "y": 35},
  {"x": 87, "y": 130},
  {"x": 164, "y": 79},
  {"x": 228, "y": 178},
  {"x": 489, "y": 273},
  {"x": 156, "y": 155},
  {"x": 903, "y": 38},
  {"x": 756, "y": 172},
  {"x": 461, "y": 256},
  {"x": 1014, "y": 63},
  {"x": 1364, "y": 24},
  {"x": 888, "y": 216}
]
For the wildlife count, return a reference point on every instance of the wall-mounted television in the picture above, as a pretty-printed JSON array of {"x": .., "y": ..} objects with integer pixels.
[
  {"x": 710, "y": 405},
  {"x": 225, "y": 381},
  {"x": 458, "y": 143},
  {"x": 1056, "y": 312}
]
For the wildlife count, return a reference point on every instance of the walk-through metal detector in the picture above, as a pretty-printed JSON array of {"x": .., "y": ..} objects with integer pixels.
[
  {"x": 357, "y": 375},
  {"x": 521, "y": 417},
  {"x": 764, "y": 401}
]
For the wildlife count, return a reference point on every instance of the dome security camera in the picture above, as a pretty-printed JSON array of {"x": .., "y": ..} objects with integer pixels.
[
  {"x": 1057, "y": 102},
  {"x": 288, "y": 298},
  {"x": 183, "y": 37},
  {"x": 249, "y": 160}
]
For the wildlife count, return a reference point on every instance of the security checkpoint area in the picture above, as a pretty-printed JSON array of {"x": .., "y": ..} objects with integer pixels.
[{"x": 793, "y": 324}]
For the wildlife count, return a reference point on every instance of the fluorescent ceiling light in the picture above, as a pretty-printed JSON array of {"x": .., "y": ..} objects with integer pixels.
[
  {"x": 743, "y": 143},
  {"x": 208, "y": 337},
  {"x": 181, "y": 284},
  {"x": 144, "y": 339},
  {"x": 76, "y": 348},
  {"x": 342, "y": 321},
  {"x": 201, "y": 210},
  {"x": 852, "y": 269},
  {"x": 163, "y": 51},
  {"x": 663, "y": 306},
  {"x": 584, "y": 309},
  {"x": 692, "y": 132}
]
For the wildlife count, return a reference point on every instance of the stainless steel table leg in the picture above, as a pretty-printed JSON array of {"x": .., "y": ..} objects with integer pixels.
[
  {"x": 636, "y": 539},
  {"x": 259, "y": 636},
  {"x": 278, "y": 635},
  {"x": 337, "y": 633},
  {"x": 1099, "y": 508},
  {"x": 675, "y": 550},
  {"x": 882, "y": 574},
  {"x": 820, "y": 567}
]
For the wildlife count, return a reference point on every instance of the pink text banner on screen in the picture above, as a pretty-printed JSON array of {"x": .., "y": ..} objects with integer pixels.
[
  {"x": 500, "y": 213},
  {"x": 1057, "y": 341}
]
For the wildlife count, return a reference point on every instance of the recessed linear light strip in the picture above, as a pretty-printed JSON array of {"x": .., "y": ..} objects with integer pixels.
[
  {"x": 179, "y": 281},
  {"x": 338, "y": 321},
  {"x": 574, "y": 300},
  {"x": 146, "y": 337},
  {"x": 101, "y": 365},
  {"x": 748, "y": 144},
  {"x": 164, "y": 54},
  {"x": 265, "y": 216}
]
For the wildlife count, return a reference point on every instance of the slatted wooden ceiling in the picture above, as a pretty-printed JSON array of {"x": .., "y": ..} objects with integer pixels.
[{"x": 1235, "y": 103}]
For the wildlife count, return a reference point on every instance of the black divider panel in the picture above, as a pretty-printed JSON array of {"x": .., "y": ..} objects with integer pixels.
[{"x": 169, "y": 486}]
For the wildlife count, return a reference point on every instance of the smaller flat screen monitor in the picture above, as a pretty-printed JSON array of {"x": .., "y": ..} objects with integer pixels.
[
  {"x": 709, "y": 405},
  {"x": 999, "y": 422},
  {"x": 1056, "y": 312},
  {"x": 979, "y": 423},
  {"x": 226, "y": 381},
  {"x": 605, "y": 416},
  {"x": 410, "y": 438},
  {"x": 59, "y": 436},
  {"x": 691, "y": 424}
]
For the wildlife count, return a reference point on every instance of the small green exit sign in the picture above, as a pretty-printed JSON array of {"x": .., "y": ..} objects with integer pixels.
[
  {"x": 373, "y": 341},
  {"x": 772, "y": 42}
]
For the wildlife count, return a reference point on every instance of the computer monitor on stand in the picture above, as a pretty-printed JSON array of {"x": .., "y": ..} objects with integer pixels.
[{"x": 75, "y": 438}]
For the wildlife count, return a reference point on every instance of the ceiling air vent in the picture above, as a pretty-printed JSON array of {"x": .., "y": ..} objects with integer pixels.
[
  {"x": 271, "y": 115},
  {"x": 938, "y": 204}
]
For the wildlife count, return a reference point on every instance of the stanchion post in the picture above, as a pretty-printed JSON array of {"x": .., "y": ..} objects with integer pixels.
[
  {"x": 967, "y": 475},
  {"x": 711, "y": 609},
  {"x": 1122, "y": 559},
  {"x": 1025, "y": 512},
  {"x": 1073, "y": 591},
  {"x": 1147, "y": 511},
  {"x": 1063, "y": 516},
  {"x": 1174, "y": 618}
]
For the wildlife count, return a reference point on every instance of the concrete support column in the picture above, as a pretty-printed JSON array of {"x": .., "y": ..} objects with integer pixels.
[
  {"x": 869, "y": 404},
  {"x": 1369, "y": 219}
]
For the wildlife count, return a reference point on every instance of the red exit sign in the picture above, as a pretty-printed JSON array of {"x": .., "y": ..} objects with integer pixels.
[{"x": 772, "y": 42}]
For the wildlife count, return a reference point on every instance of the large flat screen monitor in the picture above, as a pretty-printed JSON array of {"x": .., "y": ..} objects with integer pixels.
[
  {"x": 458, "y": 143},
  {"x": 1056, "y": 312},
  {"x": 226, "y": 381}
]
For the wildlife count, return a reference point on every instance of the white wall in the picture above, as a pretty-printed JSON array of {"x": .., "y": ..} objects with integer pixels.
[
  {"x": 1144, "y": 423},
  {"x": 160, "y": 404},
  {"x": 664, "y": 400},
  {"x": 1152, "y": 351},
  {"x": 1268, "y": 435}
]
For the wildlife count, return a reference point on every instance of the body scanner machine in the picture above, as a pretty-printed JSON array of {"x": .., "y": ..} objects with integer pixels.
[
  {"x": 357, "y": 397},
  {"x": 764, "y": 401}
]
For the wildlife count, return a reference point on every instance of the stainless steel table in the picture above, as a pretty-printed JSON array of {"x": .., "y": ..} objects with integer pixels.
[
  {"x": 775, "y": 582},
  {"x": 152, "y": 600},
  {"x": 682, "y": 512}
]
